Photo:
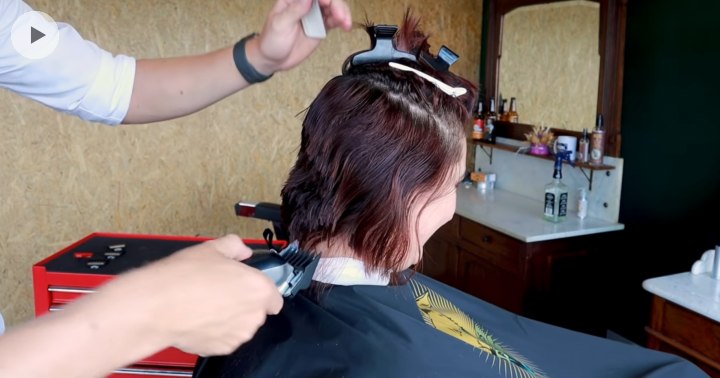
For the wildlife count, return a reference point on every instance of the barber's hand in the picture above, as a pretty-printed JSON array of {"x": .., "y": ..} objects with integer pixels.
[
  {"x": 212, "y": 303},
  {"x": 282, "y": 44}
]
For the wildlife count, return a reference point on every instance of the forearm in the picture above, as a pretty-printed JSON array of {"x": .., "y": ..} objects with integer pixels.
[
  {"x": 170, "y": 88},
  {"x": 90, "y": 338},
  {"x": 174, "y": 87}
]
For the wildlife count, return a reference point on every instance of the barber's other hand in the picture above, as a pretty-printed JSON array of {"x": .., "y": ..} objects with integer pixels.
[
  {"x": 209, "y": 303},
  {"x": 282, "y": 44}
]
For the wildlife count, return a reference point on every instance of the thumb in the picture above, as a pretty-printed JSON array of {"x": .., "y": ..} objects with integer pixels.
[
  {"x": 292, "y": 14},
  {"x": 232, "y": 247}
]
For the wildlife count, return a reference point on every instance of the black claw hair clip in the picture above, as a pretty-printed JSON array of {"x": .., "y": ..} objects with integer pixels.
[
  {"x": 382, "y": 48},
  {"x": 443, "y": 61}
]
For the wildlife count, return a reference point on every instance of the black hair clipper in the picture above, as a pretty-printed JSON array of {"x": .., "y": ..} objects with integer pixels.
[{"x": 291, "y": 269}]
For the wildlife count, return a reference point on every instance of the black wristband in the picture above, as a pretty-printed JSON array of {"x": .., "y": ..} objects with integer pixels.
[{"x": 246, "y": 69}]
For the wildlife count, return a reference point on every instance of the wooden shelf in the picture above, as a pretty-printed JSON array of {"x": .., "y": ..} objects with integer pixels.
[{"x": 512, "y": 148}]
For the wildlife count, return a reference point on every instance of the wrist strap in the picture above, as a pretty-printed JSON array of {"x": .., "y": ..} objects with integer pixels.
[{"x": 246, "y": 69}]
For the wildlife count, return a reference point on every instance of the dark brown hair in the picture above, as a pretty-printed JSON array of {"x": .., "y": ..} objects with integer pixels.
[{"x": 372, "y": 141}]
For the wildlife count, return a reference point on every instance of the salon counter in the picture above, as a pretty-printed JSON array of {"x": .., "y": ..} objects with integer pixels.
[
  {"x": 685, "y": 318},
  {"x": 521, "y": 217},
  {"x": 498, "y": 247},
  {"x": 696, "y": 292}
]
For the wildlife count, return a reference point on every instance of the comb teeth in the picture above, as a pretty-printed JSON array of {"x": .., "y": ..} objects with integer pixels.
[{"x": 296, "y": 257}]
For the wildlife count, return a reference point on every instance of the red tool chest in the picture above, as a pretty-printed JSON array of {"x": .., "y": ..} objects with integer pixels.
[{"x": 79, "y": 268}]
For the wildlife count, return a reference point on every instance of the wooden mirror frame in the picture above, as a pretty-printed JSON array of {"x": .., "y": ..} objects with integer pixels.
[{"x": 611, "y": 46}]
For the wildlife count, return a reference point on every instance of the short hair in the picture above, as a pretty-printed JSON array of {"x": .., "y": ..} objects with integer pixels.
[{"x": 373, "y": 140}]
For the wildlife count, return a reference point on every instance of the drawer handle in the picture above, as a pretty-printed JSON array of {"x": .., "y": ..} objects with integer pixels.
[
  {"x": 67, "y": 289},
  {"x": 486, "y": 239},
  {"x": 167, "y": 372}
]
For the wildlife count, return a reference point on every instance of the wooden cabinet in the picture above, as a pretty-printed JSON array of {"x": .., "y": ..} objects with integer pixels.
[
  {"x": 557, "y": 281},
  {"x": 678, "y": 330}
]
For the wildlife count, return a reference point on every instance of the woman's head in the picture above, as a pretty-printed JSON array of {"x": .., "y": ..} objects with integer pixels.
[{"x": 381, "y": 153}]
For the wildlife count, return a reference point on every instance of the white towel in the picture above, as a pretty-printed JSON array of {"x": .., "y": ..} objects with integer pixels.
[{"x": 705, "y": 264}]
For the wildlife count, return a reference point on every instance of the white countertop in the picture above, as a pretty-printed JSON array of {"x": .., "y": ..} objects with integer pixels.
[
  {"x": 696, "y": 292},
  {"x": 521, "y": 217}
]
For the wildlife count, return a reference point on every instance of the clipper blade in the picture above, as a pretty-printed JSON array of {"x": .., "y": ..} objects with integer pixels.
[{"x": 292, "y": 268}]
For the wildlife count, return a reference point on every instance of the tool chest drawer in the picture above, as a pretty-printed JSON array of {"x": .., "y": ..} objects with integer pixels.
[{"x": 81, "y": 267}]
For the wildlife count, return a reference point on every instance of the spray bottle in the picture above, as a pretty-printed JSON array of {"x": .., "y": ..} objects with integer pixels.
[
  {"x": 556, "y": 193},
  {"x": 582, "y": 204}
]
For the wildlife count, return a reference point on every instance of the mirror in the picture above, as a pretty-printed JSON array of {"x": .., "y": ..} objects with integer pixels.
[
  {"x": 609, "y": 45},
  {"x": 549, "y": 61}
]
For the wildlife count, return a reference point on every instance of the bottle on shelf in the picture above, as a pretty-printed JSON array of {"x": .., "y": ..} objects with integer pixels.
[
  {"x": 480, "y": 111},
  {"x": 478, "y": 131},
  {"x": 512, "y": 115},
  {"x": 503, "y": 116},
  {"x": 583, "y": 147},
  {"x": 556, "y": 192},
  {"x": 491, "y": 114},
  {"x": 490, "y": 118},
  {"x": 597, "y": 142}
]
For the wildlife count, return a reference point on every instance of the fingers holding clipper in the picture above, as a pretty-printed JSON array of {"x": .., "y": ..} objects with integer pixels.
[
  {"x": 232, "y": 247},
  {"x": 275, "y": 302},
  {"x": 210, "y": 304}
]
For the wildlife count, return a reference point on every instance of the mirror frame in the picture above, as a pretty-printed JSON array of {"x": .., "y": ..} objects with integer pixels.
[{"x": 611, "y": 45}]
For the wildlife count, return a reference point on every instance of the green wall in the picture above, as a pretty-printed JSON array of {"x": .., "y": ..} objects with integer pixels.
[{"x": 671, "y": 147}]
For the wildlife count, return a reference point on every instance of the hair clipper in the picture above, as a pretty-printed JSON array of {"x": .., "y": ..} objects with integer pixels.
[{"x": 291, "y": 269}]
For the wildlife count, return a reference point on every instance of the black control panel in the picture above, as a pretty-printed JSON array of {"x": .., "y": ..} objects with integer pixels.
[{"x": 115, "y": 255}]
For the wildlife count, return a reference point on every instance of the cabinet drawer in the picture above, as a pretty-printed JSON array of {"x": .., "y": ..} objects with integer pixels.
[
  {"x": 494, "y": 246},
  {"x": 688, "y": 328},
  {"x": 489, "y": 282}
]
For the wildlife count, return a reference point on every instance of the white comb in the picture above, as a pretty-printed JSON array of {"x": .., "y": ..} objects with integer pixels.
[
  {"x": 452, "y": 91},
  {"x": 313, "y": 23}
]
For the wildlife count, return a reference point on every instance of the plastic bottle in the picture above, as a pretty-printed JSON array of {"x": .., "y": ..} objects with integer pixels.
[
  {"x": 556, "y": 193},
  {"x": 582, "y": 204}
]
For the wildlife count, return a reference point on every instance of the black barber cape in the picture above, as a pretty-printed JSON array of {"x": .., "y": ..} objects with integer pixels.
[{"x": 427, "y": 329}]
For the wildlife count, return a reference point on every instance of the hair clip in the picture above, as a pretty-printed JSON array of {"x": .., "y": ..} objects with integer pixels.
[
  {"x": 443, "y": 61},
  {"x": 452, "y": 91},
  {"x": 382, "y": 48}
]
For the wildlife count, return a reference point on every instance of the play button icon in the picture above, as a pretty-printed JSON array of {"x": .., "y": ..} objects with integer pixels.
[{"x": 35, "y": 35}]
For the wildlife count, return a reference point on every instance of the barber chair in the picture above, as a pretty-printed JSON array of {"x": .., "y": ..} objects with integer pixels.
[
  {"x": 210, "y": 367},
  {"x": 265, "y": 211}
]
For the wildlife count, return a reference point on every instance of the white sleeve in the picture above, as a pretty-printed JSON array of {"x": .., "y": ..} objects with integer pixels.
[{"x": 78, "y": 78}]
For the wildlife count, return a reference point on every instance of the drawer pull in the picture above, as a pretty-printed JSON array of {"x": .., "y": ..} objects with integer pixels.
[
  {"x": 167, "y": 372},
  {"x": 486, "y": 238},
  {"x": 67, "y": 289}
]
